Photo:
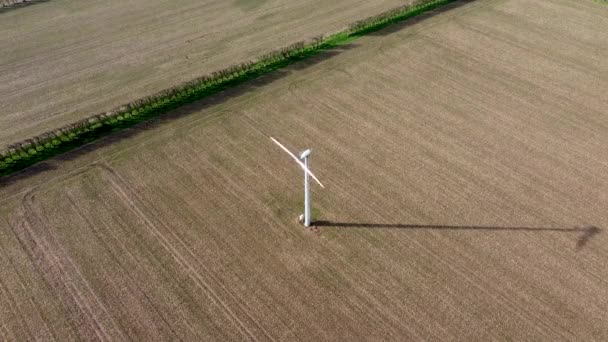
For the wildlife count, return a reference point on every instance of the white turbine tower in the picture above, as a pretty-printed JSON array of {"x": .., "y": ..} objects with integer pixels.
[{"x": 304, "y": 165}]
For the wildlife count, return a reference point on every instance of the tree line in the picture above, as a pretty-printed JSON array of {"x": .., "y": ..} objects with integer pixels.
[{"x": 22, "y": 154}]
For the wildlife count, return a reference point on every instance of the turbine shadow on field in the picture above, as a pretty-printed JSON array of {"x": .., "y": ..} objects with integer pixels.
[
  {"x": 396, "y": 27},
  {"x": 19, "y": 5},
  {"x": 587, "y": 232}
]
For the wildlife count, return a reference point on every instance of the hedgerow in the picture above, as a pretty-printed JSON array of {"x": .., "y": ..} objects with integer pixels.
[
  {"x": 6, "y": 3},
  {"x": 20, "y": 155}
]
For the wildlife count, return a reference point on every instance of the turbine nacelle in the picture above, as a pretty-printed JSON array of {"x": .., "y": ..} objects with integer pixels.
[{"x": 305, "y": 154}]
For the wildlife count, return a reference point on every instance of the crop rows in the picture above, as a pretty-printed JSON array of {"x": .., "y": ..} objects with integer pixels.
[{"x": 20, "y": 155}]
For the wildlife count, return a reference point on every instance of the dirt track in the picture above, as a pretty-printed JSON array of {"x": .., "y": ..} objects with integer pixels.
[
  {"x": 464, "y": 158},
  {"x": 61, "y": 61}
]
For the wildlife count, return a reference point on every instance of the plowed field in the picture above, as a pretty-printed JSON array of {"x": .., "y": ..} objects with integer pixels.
[{"x": 464, "y": 158}]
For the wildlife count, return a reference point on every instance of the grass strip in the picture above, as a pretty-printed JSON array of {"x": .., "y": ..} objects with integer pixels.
[{"x": 26, "y": 153}]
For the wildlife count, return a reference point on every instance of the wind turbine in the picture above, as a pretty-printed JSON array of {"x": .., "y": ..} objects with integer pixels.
[{"x": 304, "y": 165}]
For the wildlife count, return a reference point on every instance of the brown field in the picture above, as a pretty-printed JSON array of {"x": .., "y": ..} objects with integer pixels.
[
  {"x": 61, "y": 61},
  {"x": 465, "y": 162}
]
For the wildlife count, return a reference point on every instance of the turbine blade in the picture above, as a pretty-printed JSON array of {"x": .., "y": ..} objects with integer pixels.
[
  {"x": 288, "y": 152},
  {"x": 297, "y": 161}
]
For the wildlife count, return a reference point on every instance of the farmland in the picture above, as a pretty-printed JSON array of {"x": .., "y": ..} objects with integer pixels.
[
  {"x": 464, "y": 154},
  {"x": 61, "y": 61}
]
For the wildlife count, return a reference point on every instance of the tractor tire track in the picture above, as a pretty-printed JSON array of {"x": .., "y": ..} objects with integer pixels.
[
  {"x": 128, "y": 196},
  {"x": 62, "y": 274},
  {"x": 31, "y": 299},
  {"x": 146, "y": 298},
  {"x": 9, "y": 303}
]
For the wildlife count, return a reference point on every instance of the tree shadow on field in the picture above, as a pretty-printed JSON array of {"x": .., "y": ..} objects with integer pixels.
[
  {"x": 398, "y": 26},
  {"x": 188, "y": 109},
  {"x": 31, "y": 171},
  {"x": 8, "y": 8},
  {"x": 586, "y": 232}
]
